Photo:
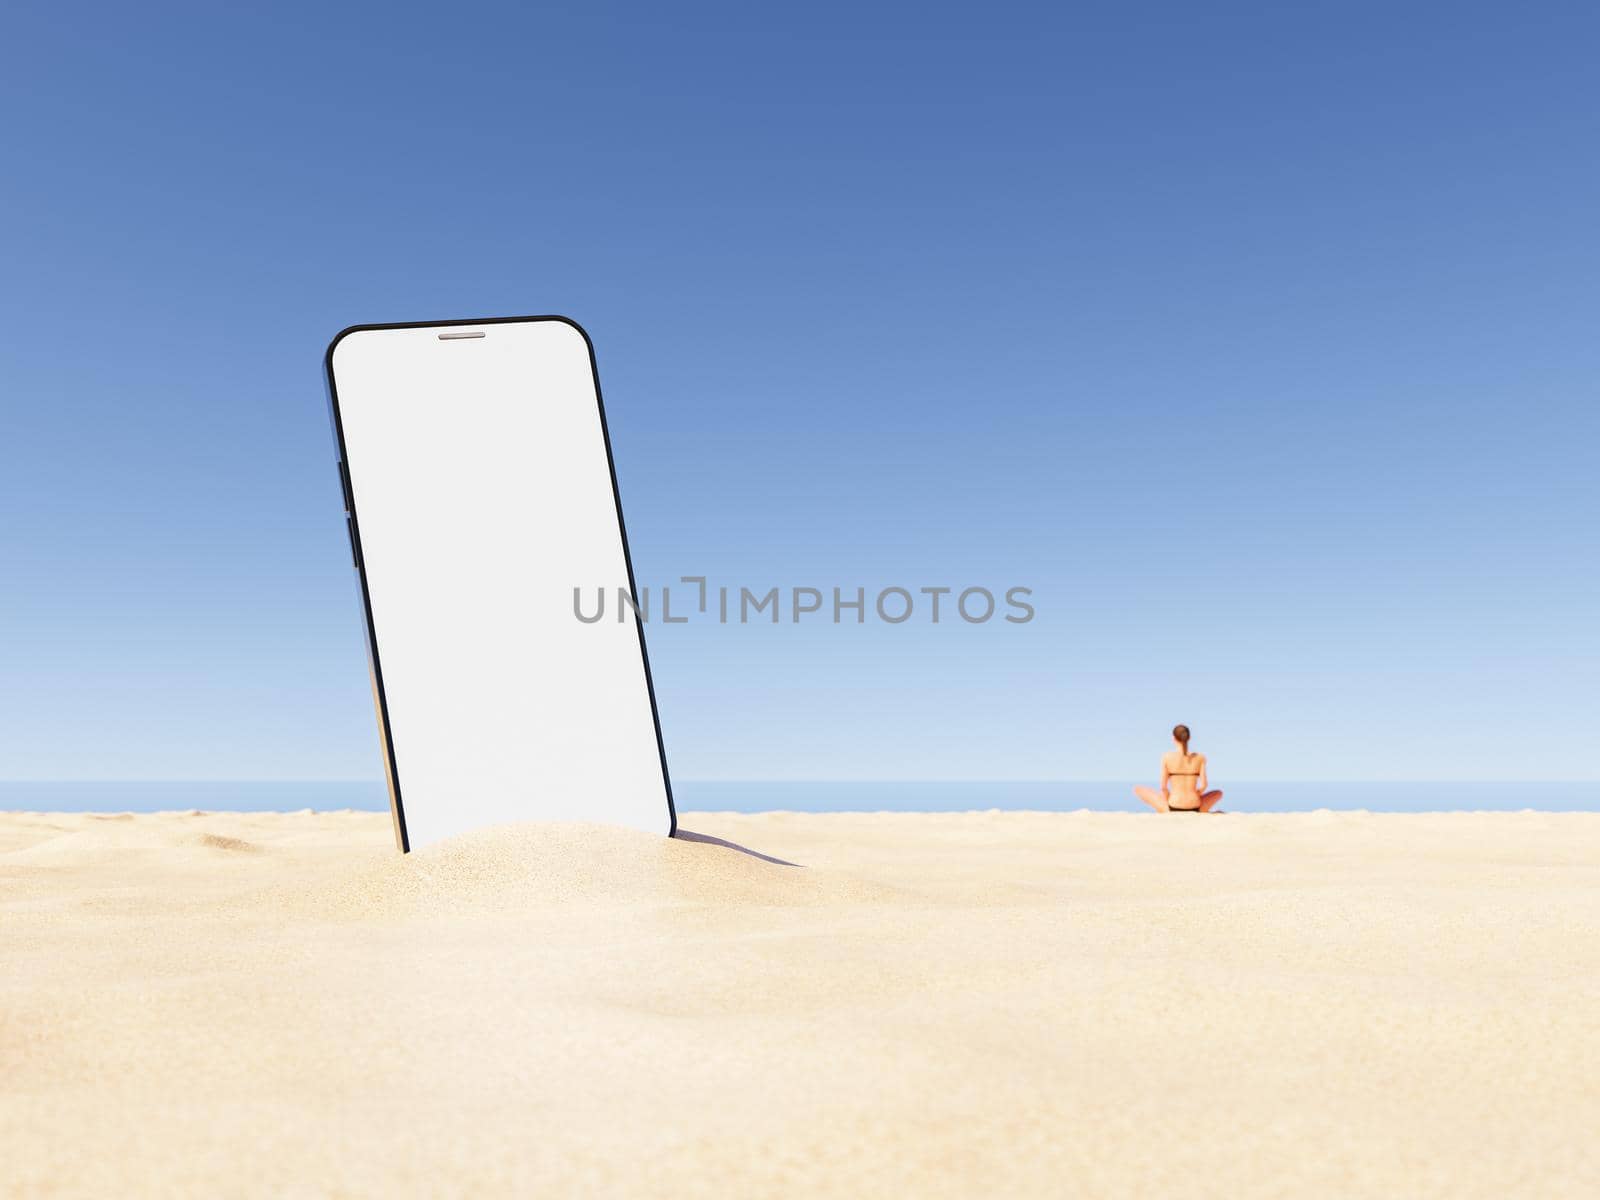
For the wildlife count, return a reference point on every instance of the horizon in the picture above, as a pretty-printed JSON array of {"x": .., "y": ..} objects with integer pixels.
[
  {"x": 812, "y": 796},
  {"x": 1396, "y": 780}
]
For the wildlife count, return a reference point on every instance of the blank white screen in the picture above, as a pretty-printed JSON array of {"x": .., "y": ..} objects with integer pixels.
[{"x": 483, "y": 497}]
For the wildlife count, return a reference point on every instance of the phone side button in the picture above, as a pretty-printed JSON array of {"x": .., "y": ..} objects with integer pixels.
[
  {"x": 344, "y": 488},
  {"x": 350, "y": 532}
]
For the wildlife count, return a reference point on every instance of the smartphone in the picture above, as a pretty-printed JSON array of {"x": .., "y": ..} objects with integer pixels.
[{"x": 480, "y": 495}]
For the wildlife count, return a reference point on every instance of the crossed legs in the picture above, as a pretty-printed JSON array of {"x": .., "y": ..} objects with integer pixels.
[{"x": 1159, "y": 802}]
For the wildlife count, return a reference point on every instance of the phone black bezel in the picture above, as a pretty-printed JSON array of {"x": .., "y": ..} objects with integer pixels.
[{"x": 353, "y": 529}]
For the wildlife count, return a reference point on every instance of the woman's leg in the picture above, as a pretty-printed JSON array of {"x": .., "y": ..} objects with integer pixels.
[
  {"x": 1209, "y": 800},
  {"x": 1153, "y": 798}
]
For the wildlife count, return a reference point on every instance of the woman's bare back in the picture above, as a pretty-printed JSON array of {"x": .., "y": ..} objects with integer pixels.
[{"x": 1184, "y": 772}]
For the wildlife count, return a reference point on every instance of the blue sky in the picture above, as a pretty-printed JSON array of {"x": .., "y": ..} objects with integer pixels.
[{"x": 1258, "y": 342}]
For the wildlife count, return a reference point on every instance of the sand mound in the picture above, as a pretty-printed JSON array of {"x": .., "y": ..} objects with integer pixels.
[
  {"x": 513, "y": 868},
  {"x": 96, "y": 841},
  {"x": 116, "y": 840},
  {"x": 233, "y": 845}
]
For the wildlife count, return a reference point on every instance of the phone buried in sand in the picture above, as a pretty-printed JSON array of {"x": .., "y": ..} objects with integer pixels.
[{"x": 479, "y": 493}]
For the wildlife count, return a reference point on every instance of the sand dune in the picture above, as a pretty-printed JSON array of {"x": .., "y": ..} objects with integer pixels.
[{"x": 950, "y": 1005}]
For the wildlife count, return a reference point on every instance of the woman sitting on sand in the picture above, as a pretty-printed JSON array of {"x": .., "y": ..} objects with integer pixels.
[{"x": 1183, "y": 780}]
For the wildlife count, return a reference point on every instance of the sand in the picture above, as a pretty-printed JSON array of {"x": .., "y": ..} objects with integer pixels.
[{"x": 1017, "y": 1004}]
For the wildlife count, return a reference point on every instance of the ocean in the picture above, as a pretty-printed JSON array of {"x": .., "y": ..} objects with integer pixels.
[{"x": 833, "y": 796}]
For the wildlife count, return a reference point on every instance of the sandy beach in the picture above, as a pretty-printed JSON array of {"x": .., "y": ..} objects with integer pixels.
[{"x": 1017, "y": 1004}]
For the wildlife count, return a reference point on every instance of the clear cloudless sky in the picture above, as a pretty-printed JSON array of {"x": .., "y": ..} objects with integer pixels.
[{"x": 1259, "y": 341}]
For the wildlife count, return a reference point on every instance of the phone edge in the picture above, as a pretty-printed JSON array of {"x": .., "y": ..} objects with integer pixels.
[{"x": 369, "y": 631}]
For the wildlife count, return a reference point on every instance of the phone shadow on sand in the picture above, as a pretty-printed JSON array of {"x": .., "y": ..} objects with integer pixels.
[{"x": 688, "y": 835}]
